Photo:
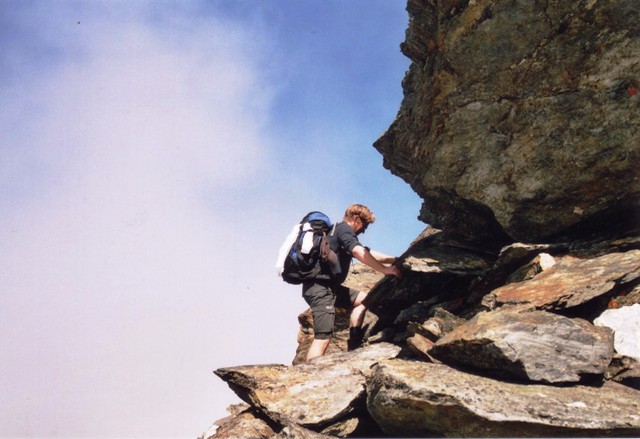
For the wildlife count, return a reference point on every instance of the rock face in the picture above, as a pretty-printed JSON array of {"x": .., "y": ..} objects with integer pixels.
[
  {"x": 517, "y": 310},
  {"x": 519, "y": 121}
]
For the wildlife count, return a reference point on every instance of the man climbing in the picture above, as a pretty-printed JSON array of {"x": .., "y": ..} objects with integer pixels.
[{"x": 322, "y": 296}]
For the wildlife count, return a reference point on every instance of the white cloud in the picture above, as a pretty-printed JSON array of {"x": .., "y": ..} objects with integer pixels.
[{"x": 123, "y": 273}]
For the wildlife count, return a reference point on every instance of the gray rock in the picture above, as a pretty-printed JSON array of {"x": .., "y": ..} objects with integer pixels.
[
  {"x": 536, "y": 346},
  {"x": 418, "y": 399}
]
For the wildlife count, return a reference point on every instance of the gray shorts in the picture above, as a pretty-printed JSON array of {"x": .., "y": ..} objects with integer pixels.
[{"x": 322, "y": 300}]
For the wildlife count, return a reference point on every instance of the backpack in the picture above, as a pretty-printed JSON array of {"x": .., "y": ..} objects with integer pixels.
[{"x": 305, "y": 254}]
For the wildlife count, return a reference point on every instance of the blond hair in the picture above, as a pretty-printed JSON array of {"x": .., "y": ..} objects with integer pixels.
[{"x": 359, "y": 211}]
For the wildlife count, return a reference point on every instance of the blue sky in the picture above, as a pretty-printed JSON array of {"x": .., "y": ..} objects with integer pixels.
[{"x": 153, "y": 156}]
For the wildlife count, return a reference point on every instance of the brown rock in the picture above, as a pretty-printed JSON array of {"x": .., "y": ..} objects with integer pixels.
[
  {"x": 294, "y": 431},
  {"x": 421, "y": 345},
  {"x": 571, "y": 282},
  {"x": 444, "y": 260},
  {"x": 627, "y": 297},
  {"x": 418, "y": 399},
  {"x": 423, "y": 336},
  {"x": 361, "y": 277},
  {"x": 299, "y": 394},
  {"x": 519, "y": 120},
  {"x": 445, "y": 322},
  {"x": 510, "y": 259}
]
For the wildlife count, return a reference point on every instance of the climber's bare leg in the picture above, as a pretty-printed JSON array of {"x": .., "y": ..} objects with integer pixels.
[
  {"x": 359, "y": 310},
  {"x": 317, "y": 348}
]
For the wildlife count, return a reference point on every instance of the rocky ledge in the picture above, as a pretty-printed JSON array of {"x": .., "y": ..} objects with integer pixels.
[{"x": 542, "y": 341}]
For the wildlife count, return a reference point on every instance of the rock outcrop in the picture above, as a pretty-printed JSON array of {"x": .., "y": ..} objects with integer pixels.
[
  {"x": 517, "y": 311},
  {"x": 519, "y": 121}
]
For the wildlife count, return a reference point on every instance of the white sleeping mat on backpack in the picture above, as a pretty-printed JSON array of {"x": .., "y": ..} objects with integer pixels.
[{"x": 285, "y": 247}]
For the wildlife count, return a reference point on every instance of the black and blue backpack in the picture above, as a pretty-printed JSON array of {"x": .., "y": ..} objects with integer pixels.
[{"x": 306, "y": 254}]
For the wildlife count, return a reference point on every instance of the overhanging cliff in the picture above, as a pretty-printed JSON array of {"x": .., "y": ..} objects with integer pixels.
[{"x": 520, "y": 118}]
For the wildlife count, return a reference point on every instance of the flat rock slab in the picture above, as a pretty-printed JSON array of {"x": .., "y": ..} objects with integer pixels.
[
  {"x": 311, "y": 394},
  {"x": 418, "y": 399},
  {"x": 436, "y": 252},
  {"x": 446, "y": 260},
  {"x": 536, "y": 346},
  {"x": 570, "y": 282}
]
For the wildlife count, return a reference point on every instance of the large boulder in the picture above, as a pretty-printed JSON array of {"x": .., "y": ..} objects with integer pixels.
[
  {"x": 417, "y": 399},
  {"x": 519, "y": 119},
  {"x": 535, "y": 346}
]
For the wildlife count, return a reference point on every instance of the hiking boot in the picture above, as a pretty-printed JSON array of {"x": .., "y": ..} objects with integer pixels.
[{"x": 355, "y": 338}]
